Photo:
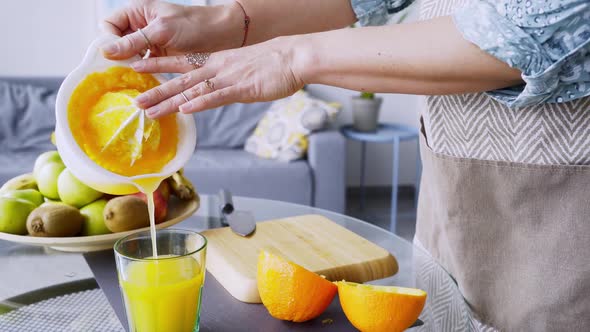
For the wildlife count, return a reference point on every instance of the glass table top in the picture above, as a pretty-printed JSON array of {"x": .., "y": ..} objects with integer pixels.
[{"x": 25, "y": 270}]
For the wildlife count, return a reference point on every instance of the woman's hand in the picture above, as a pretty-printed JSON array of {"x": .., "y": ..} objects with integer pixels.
[
  {"x": 173, "y": 29},
  {"x": 262, "y": 72}
]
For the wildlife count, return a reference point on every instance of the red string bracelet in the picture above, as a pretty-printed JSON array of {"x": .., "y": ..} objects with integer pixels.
[{"x": 246, "y": 24}]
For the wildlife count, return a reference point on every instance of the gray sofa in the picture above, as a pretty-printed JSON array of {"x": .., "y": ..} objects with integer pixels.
[{"x": 27, "y": 120}]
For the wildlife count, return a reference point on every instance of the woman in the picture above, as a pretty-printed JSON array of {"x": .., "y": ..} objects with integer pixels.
[{"x": 504, "y": 201}]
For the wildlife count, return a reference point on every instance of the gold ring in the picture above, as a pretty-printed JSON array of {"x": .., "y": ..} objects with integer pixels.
[
  {"x": 197, "y": 60},
  {"x": 210, "y": 84},
  {"x": 184, "y": 96},
  {"x": 147, "y": 41}
]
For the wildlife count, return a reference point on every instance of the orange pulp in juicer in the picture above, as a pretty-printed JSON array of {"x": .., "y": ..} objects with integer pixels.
[{"x": 116, "y": 141}]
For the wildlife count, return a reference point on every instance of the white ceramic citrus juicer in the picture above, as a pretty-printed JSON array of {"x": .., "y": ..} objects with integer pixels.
[{"x": 78, "y": 162}]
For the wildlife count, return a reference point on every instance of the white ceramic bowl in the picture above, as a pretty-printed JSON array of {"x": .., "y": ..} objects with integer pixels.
[{"x": 76, "y": 159}]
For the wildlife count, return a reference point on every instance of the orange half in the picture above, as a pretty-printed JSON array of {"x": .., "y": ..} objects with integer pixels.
[
  {"x": 380, "y": 308},
  {"x": 289, "y": 291}
]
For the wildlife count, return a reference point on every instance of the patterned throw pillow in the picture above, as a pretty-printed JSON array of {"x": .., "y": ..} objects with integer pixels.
[{"x": 282, "y": 133}]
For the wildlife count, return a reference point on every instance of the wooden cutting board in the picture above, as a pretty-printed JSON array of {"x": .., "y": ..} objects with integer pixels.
[{"x": 312, "y": 241}]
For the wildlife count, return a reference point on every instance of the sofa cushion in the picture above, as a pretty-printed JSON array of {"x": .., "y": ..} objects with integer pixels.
[
  {"x": 28, "y": 117},
  {"x": 283, "y": 132},
  {"x": 247, "y": 175},
  {"x": 228, "y": 126}
]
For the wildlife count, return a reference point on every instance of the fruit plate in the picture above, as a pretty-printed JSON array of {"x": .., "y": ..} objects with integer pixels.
[{"x": 178, "y": 211}]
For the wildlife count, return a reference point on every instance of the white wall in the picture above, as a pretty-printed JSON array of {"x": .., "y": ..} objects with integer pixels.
[
  {"x": 49, "y": 38},
  {"x": 45, "y": 38}
]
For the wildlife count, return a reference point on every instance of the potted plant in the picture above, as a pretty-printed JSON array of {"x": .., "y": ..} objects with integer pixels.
[{"x": 365, "y": 111}]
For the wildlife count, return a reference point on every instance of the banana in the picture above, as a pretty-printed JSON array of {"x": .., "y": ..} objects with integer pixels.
[
  {"x": 182, "y": 187},
  {"x": 24, "y": 181}
]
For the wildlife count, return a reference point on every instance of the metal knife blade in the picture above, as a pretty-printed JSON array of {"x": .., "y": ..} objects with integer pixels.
[{"x": 240, "y": 222}]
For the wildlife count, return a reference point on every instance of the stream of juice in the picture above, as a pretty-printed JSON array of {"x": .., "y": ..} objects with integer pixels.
[
  {"x": 148, "y": 187},
  {"x": 152, "y": 212}
]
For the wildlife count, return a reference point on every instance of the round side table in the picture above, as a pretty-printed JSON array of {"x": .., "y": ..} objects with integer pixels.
[{"x": 386, "y": 133}]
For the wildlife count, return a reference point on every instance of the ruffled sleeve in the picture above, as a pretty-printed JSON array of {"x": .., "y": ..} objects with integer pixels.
[
  {"x": 376, "y": 12},
  {"x": 548, "y": 42}
]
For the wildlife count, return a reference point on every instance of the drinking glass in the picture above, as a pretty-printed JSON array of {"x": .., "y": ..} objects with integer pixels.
[{"x": 162, "y": 293}]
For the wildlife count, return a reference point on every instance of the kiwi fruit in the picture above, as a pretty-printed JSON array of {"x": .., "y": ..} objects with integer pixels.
[
  {"x": 126, "y": 213},
  {"x": 55, "y": 220}
]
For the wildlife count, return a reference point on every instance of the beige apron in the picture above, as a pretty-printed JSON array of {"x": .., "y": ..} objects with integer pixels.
[{"x": 514, "y": 236}]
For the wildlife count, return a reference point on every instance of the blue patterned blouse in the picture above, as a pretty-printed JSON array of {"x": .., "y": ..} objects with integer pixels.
[{"x": 549, "y": 41}]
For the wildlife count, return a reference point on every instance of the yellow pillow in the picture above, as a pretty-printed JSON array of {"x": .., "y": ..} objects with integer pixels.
[{"x": 282, "y": 132}]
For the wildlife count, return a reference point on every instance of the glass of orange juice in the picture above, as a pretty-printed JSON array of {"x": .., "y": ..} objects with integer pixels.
[{"x": 162, "y": 293}]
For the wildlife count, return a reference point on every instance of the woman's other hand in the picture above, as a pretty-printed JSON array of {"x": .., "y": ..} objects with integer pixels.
[
  {"x": 262, "y": 72},
  {"x": 173, "y": 29}
]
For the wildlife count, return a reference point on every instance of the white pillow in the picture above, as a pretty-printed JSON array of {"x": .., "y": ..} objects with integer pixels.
[{"x": 282, "y": 133}]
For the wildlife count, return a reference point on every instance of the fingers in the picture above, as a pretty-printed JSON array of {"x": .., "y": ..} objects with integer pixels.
[
  {"x": 171, "y": 64},
  {"x": 110, "y": 28},
  {"x": 171, "y": 104},
  {"x": 214, "y": 99},
  {"x": 126, "y": 46},
  {"x": 167, "y": 90},
  {"x": 168, "y": 106},
  {"x": 117, "y": 23},
  {"x": 171, "y": 88}
]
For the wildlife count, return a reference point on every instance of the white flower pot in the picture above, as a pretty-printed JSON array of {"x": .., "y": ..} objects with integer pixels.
[{"x": 365, "y": 113}]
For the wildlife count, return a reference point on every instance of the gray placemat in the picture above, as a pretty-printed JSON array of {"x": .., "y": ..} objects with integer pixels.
[{"x": 86, "y": 311}]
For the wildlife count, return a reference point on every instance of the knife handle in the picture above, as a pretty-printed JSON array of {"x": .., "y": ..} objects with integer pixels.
[{"x": 226, "y": 203}]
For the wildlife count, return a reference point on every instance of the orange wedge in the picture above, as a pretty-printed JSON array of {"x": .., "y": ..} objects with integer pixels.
[
  {"x": 289, "y": 291},
  {"x": 380, "y": 308}
]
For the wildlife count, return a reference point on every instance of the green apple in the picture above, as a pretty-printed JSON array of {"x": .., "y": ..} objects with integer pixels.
[
  {"x": 47, "y": 179},
  {"x": 94, "y": 219},
  {"x": 73, "y": 192},
  {"x": 44, "y": 159},
  {"x": 13, "y": 215},
  {"x": 50, "y": 201},
  {"x": 30, "y": 195}
]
